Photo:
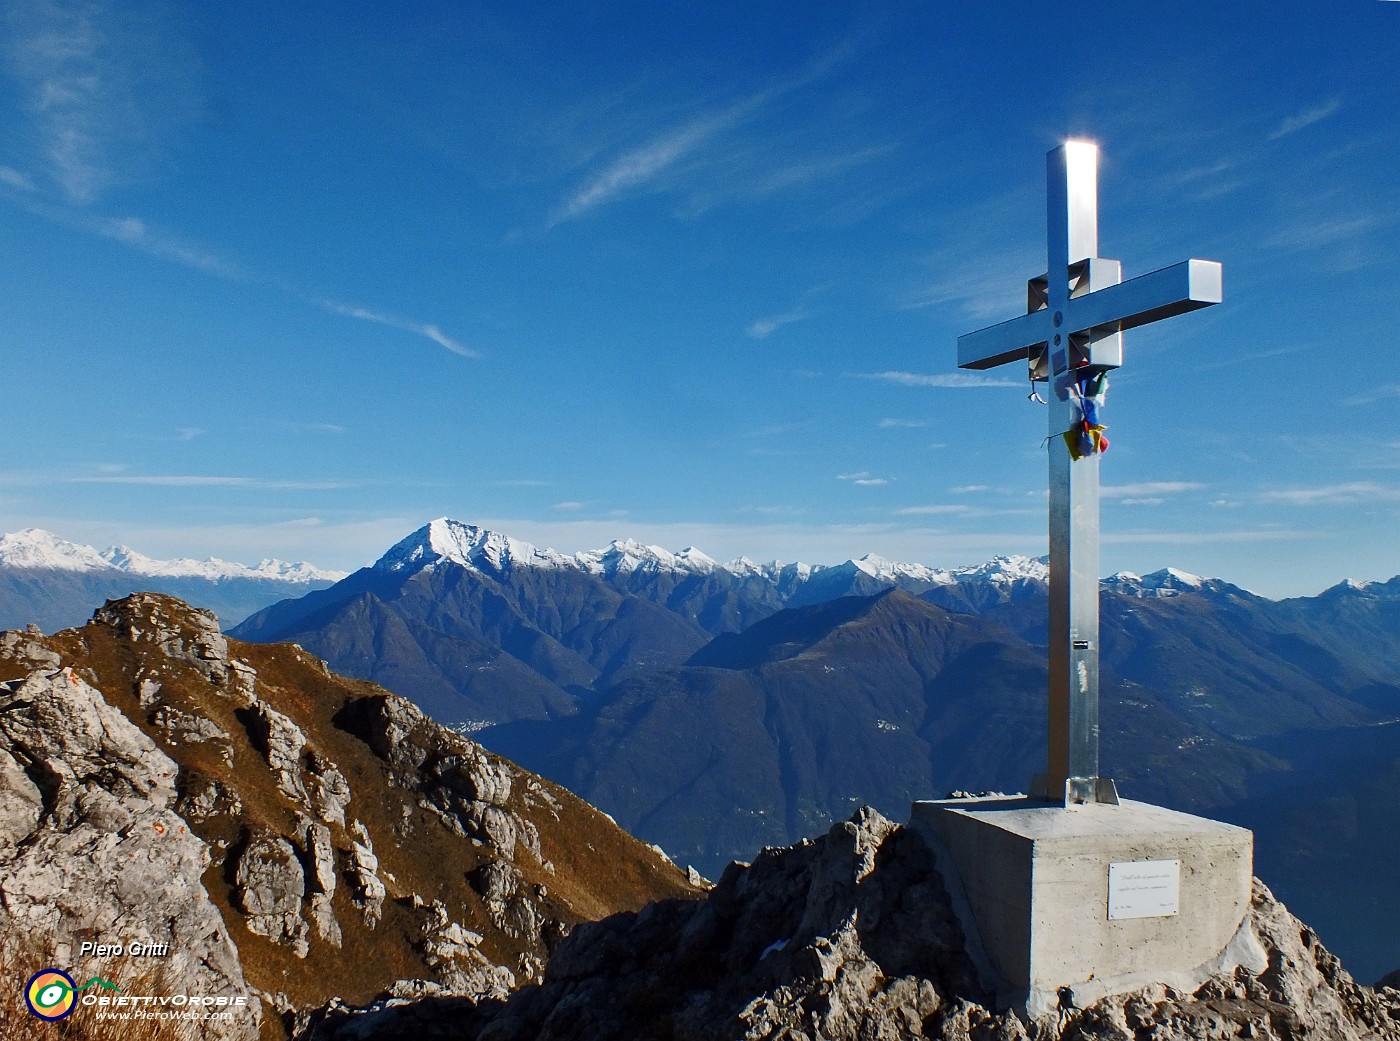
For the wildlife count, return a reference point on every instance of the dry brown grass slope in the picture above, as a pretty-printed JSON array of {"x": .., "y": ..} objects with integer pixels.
[{"x": 352, "y": 841}]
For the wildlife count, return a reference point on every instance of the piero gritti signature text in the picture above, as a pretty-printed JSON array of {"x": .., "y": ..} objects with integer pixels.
[{"x": 129, "y": 950}]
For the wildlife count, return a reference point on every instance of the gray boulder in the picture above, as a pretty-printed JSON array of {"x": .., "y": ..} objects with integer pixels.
[
  {"x": 269, "y": 885},
  {"x": 93, "y": 849},
  {"x": 330, "y": 792},
  {"x": 366, "y": 887},
  {"x": 281, "y": 742}
]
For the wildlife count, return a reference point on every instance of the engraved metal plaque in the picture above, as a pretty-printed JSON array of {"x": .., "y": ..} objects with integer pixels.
[{"x": 1144, "y": 889}]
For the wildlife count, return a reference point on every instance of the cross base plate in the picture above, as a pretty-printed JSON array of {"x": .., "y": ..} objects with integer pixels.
[{"x": 1078, "y": 790}]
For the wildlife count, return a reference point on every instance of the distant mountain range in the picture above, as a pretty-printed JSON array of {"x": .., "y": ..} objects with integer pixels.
[
  {"x": 54, "y": 583},
  {"x": 715, "y": 708}
]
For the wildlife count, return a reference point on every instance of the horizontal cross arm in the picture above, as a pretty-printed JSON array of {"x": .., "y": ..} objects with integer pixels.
[
  {"x": 1006, "y": 342},
  {"x": 1171, "y": 291}
]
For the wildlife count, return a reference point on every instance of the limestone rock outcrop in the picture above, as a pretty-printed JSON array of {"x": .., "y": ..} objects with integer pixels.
[
  {"x": 270, "y": 884},
  {"x": 91, "y": 849}
]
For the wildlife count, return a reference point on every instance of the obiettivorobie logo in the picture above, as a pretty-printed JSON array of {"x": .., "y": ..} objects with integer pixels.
[{"x": 52, "y": 995}]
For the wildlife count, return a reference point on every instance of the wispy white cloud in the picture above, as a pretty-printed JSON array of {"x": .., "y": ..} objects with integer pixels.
[
  {"x": 141, "y": 236},
  {"x": 772, "y": 511},
  {"x": 569, "y": 504},
  {"x": 933, "y": 510},
  {"x": 1142, "y": 502},
  {"x": 776, "y": 429},
  {"x": 976, "y": 266},
  {"x": 423, "y": 329},
  {"x": 1329, "y": 232},
  {"x": 762, "y": 328},
  {"x": 1344, "y": 493},
  {"x": 985, "y": 286},
  {"x": 941, "y": 379},
  {"x": 188, "y": 433},
  {"x": 1147, "y": 489},
  {"x": 1206, "y": 171},
  {"x": 639, "y": 165},
  {"x": 13, "y": 178},
  {"x": 56, "y": 55},
  {"x": 214, "y": 481},
  {"x": 901, "y": 424},
  {"x": 1207, "y": 538},
  {"x": 316, "y": 428},
  {"x": 816, "y": 168},
  {"x": 138, "y": 234},
  {"x": 707, "y": 157},
  {"x": 116, "y": 474},
  {"x": 864, "y": 478},
  {"x": 1306, "y": 118},
  {"x": 101, "y": 85},
  {"x": 1370, "y": 397},
  {"x": 1254, "y": 357},
  {"x": 164, "y": 480},
  {"x": 968, "y": 489}
]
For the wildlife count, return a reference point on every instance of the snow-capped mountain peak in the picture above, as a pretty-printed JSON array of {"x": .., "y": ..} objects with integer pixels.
[
  {"x": 744, "y": 567},
  {"x": 1167, "y": 581},
  {"x": 1005, "y": 571},
  {"x": 1179, "y": 577},
  {"x": 1369, "y": 589},
  {"x": 873, "y": 565},
  {"x": 879, "y": 567},
  {"x": 467, "y": 545},
  {"x": 694, "y": 560},
  {"x": 624, "y": 556},
  {"x": 40, "y": 550}
]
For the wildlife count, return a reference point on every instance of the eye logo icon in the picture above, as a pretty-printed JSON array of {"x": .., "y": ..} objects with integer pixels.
[{"x": 50, "y": 994}]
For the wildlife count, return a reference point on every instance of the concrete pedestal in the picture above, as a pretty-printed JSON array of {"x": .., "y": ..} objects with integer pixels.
[{"x": 1069, "y": 904}]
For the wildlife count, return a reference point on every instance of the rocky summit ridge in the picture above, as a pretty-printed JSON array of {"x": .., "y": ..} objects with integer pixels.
[
  {"x": 852, "y": 937},
  {"x": 288, "y": 834}
]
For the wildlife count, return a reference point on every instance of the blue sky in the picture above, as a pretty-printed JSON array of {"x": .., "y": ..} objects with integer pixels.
[{"x": 292, "y": 284}]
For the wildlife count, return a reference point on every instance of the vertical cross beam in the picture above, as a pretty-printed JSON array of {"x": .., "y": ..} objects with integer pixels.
[
  {"x": 1072, "y": 224},
  {"x": 1074, "y": 323}
]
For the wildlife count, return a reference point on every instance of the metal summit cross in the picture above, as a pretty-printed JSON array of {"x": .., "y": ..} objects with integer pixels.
[{"x": 1073, "y": 331}]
